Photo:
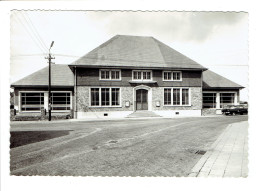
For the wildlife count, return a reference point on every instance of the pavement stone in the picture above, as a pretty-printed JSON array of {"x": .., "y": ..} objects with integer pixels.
[{"x": 228, "y": 155}]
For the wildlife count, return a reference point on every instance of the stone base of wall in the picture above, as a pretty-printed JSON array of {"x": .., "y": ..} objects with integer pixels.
[
  {"x": 38, "y": 117},
  {"x": 103, "y": 114},
  {"x": 175, "y": 113},
  {"x": 211, "y": 112}
]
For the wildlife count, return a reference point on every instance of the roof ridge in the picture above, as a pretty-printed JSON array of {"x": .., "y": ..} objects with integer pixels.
[
  {"x": 154, "y": 40},
  {"x": 100, "y": 46}
]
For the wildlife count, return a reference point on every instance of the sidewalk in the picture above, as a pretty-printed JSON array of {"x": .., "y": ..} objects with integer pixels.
[
  {"x": 228, "y": 156},
  {"x": 107, "y": 119}
]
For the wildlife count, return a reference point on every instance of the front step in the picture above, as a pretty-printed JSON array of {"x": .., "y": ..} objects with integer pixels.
[{"x": 139, "y": 114}]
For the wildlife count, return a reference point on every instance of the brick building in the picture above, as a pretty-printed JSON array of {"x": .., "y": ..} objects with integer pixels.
[{"x": 125, "y": 75}]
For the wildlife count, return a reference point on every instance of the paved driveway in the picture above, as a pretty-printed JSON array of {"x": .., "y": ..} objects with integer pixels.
[{"x": 144, "y": 147}]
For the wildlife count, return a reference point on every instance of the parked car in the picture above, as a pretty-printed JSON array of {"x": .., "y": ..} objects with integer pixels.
[{"x": 235, "y": 109}]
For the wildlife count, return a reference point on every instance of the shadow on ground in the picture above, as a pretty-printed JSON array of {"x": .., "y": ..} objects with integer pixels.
[{"x": 20, "y": 138}]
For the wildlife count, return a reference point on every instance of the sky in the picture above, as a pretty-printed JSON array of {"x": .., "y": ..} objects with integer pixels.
[{"x": 216, "y": 40}]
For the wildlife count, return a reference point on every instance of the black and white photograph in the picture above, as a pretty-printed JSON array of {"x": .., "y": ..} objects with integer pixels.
[{"x": 128, "y": 93}]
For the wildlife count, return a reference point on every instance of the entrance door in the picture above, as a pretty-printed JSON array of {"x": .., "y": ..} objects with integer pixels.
[{"x": 141, "y": 99}]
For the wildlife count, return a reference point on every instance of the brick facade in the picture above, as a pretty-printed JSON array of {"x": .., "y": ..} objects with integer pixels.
[
  {"x": 127, "y": 94},
  {"x": 83, "y": 100},
  {"x": 195, "y": 95}
]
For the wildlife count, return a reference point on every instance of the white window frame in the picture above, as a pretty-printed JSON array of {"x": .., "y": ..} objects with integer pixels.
[
  {"x": 215, "y": 99},
  {"x": 142, "y": 76},
  {"x": 38, "y": 91},
  {"x": 110, "y": 98},
  {"x": 110, "y": 76},
  {"x": 172, "y": 80},
  {"x": 181, "y": 105},
  {"x": 224, "y": 92},
  {"x": 69, "y": 104},
  {"x": 218, "y": 97}
]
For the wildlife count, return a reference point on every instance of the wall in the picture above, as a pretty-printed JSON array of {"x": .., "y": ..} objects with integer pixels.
[
  {"x": 90, "y": 77},
  {"x": 18, "y": 89},
  {"x": 85, "y": 110}
]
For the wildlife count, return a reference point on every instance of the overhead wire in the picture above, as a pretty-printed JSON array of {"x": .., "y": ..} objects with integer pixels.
[
  {"x": 33, "y": 29},
  {"x": 18, "y": 19}
]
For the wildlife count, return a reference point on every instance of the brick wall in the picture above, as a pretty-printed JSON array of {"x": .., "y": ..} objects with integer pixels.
[
  {"x": 90, "y": 77},
  {"x": 196, "y": 99},
  {"x": 83, "y": 100}
]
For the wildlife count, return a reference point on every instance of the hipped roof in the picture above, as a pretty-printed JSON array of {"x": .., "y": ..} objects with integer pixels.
[
  {"x": 61, "y": 76},
  {"x": 136, "y": 52},
  {"x": 213, "y": 80}
]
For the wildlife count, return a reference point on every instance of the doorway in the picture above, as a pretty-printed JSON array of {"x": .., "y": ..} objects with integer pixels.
[{"x": 141, "y": 99}]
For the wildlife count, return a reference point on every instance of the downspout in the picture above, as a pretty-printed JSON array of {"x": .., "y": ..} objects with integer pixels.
[
  {"x": 201, "y": 113},
  {"x": 75, "y": 93}
]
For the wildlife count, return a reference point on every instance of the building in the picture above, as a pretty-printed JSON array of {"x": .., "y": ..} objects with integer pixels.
[{"x": 124, "y": 75}]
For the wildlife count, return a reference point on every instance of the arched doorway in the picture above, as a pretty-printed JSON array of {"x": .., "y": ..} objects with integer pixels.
[
  {"x": 142, "y": 95},
  {"x": 141, "y": 99}
]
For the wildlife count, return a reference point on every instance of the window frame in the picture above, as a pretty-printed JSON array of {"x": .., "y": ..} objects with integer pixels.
[
  {"x": 110, "y": 74},
  {"x": 110, "y": 98},
  {"x": 234, "y": 99},
  {"x": 180, "y": 88},
  {"x": 44, "y": 92},
  {"x": 70, "y": 104},
  {"x": 142, "y": 75},
  {"x": 20, "y": 101},
  {"x": 214, "y": 103},
  {"x": 171, "y": 80}
]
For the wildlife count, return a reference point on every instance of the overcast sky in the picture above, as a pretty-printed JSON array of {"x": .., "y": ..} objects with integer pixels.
[{"x": 216, "y": 40}]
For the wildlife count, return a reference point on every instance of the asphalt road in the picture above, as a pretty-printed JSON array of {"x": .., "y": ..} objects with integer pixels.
[{"x": 143, "y": 147}]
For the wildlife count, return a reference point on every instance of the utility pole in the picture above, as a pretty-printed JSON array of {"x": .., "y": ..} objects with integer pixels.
[{"x": 49, "y": 87}]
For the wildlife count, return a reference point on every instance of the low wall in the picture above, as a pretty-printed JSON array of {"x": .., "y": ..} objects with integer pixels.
[
  {"x": 175, "y": 113},
  {"x": 103, "y": 114},
  {"x": 39, "y": 116}
]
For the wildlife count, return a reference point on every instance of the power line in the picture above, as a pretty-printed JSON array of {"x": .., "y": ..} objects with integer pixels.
[
  {"x": 33, "y": 29},
  {"x": 28, "y": 32}
]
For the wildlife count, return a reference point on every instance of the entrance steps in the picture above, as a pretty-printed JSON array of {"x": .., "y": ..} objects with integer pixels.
[{"x": 139, "y": 114}]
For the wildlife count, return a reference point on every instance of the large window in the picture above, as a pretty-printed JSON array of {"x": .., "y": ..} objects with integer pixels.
[
  {"x": 142, "y": 75},
  {"x": 60, "y": 101},
  {"x": 172, "y": 76},
  {"x": 107, "y": 74},
  {"x": 32, "y": 101},
  {"x": 176, "y": 96},
  {"x": 105, "y": 97},
  {"x": 167, "y": 96},
  {"x": 209, "y": 100},
  {"x": 227, "y": 99}
]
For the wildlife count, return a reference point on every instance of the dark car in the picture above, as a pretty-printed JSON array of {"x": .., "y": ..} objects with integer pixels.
[{"x": 235, "y": 109}]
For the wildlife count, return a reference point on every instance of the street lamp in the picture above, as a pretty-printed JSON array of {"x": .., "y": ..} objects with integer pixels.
[{"x": 49, "y": 88}]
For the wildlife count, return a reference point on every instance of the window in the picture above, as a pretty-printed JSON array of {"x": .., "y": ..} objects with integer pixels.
[
  {"x": 167, "y": 76},
  {"x": 115, "y": 96},
  {"x": 209, "y": 100},
  {"x": 32, "y": 101},
  {"x": 167, "y": 96},
  {"x": 105, "y": 97},
  {"x": 110, "y": 74},
  {"x": 142, "y": 75},
  {"x": 60, "y": 101},
  {"x": 172, "y": 76},
  {"x": 227, "y": 99},
  {"x": 115, "y": 75},
  {"x": 176, "y": 96},
  {"x": 94, "y": 96},
  {"x": 185, "y": 96}
]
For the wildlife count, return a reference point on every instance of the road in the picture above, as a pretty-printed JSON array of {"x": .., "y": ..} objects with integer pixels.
[{"x": 139, "y": 147}]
